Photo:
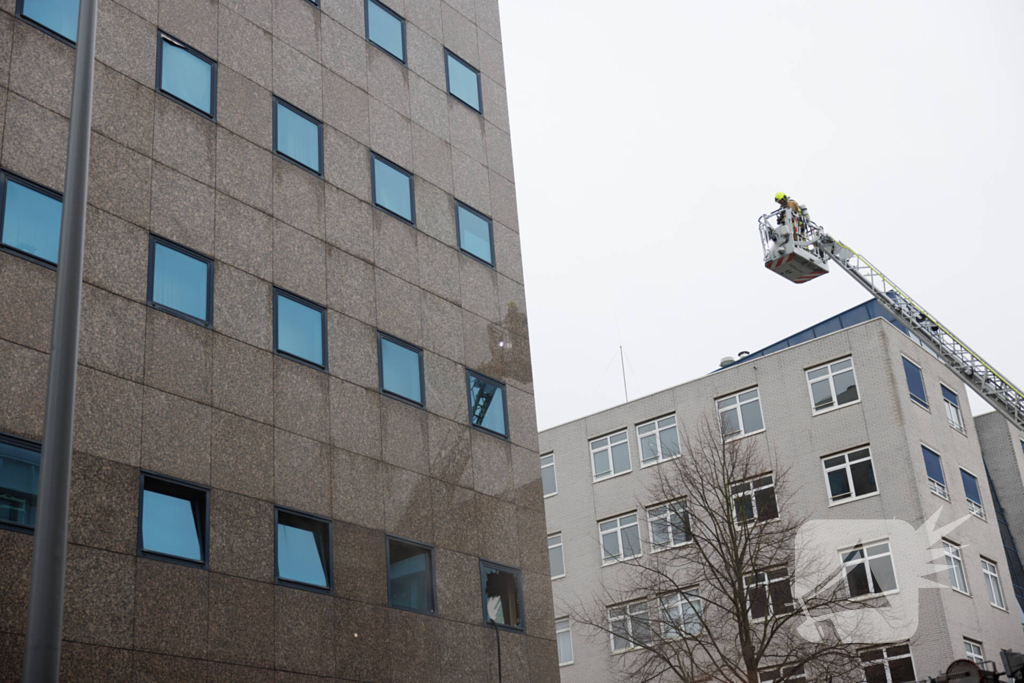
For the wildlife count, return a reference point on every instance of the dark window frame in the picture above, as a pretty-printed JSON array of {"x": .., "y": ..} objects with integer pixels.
[
  {"x": 275, "y": 291},
  {"x": 161, "y": 36},
  {"x": 6, "y": 175},
  {"x": 314, "y": 3},
  {"x": 327, "y": 559},
  {"x": 19, "y": 10},
  {"x": 381, "y": 336},
  {"x": 396, "y": 15},
  {"x": 448, "y": 83},
  {"x": 412, "y": 188},
  {"x": 312, "y": 119},
  {"x": 204, "y": 529},
  {"x": 151, "y": 275},
  {"x": 33, "y": 446},
  {"x": 504, "y": 404},
  {"x": 487, "y": 564},
  {"x": 490, "y": 230},
  {"x": 433, "y": 572},
  {"x": 920, "y": 401}
]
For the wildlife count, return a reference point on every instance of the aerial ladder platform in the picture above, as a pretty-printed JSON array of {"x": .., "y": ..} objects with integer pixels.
[{"x": 800, "y": 251}]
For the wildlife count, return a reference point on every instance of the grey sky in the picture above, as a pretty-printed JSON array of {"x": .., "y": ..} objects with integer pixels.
[{"x": 649, "y": 136}]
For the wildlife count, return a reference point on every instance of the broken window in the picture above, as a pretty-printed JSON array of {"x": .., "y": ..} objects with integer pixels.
[{"x": 502, "y": 595}]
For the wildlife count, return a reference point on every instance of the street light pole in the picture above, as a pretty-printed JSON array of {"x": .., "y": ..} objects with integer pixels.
[{"x": 50, "y": 553}]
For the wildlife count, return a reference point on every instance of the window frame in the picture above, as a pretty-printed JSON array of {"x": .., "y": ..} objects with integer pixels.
[
  {"x": 657, "y": 433},
  {"x": 275, "y": 291},
  {"x": 401, "y": 21},
  {"x": 976, "y": 508},
  {"x": 976, "y": 657},
  {"x": 312, "y": 119},
  {"x": 948, "y": 548},
  {"x": 204, "y": 530},
  {"x": 832, "y": 502},
  {"x": 921, "y": 402},
  {"x": 488, "y": 564},
  {"x": 493, "y": 263},
  {"x": 504, "y": 404},
  {"x": 770, "y": 612},
  {"x": 865, "y": 560},
  {"x": 19, "y": 12},
  {"x": 448, "y": 82},
  {"x": 161, "y": 36},
  {"x": 884, "y": 661},
  {"x": 412, "y": 188},
  {"x": 155, "y": 239},
  {"x": 5, "y": 176},
  {"x": 561, "y": 546},
  {"x": 554, "y": 473},
  {"x": 679, "y": 600},
  {"x": 615, "y": 559},
  {"x": 433, "y": 573},
  {"x": 628, "y": 617},
  {"x": 751, "y": 491},
  {"x": 328, "y": 551},
  {"x": 938, "y": 488},
  {"x": 381, "y": 337},
  {"x": 831, "y": 384},
  {"x": 742, "y": 433},
  {"x": 34, "y": 447},
  {"x": 567, "y": 629},
  {"x": 611, "y": 462},
  {"x": 990, "y": 570},
  {"x": 954, "y": 408},
  {"x": 658, "y": 548},
  {"x": 794, "y": 673}
]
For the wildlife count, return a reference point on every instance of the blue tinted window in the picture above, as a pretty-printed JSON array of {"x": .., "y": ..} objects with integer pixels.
[
  {"x": 180, "y": 281},
  {"x": 31, "y": 221},
  {"x": 19, "y": 482},
  {"x": 971, "y": 487},
  {"x": 385, "y": 30},
  {"x": 186, "y": 76},
  {"x": 173, "y": 519},
  {"x": 401, "y": 370},
  {"x": 463, "y": 81},
  {"x": 474, "y": 234},
  {"x": 393, "y": 190},
  {"x": 60, "y": 16},
  {"x": 950, "y": 396},
  {"x": 410, "y": 576},
  {"x": 300, "y": 329},
  {"x": 933, "y": 465},
  {"x": 487, "y": 404},
  {"x": 915, "y": 382},
  {"x": 302, "y": 550},
  {"x": 297, "y": 136}
]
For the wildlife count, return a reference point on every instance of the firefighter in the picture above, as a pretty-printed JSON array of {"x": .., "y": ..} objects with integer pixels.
[{"x": 786, "y": 202}]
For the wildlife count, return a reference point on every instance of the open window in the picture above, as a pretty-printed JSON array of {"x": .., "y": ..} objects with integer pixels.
[
  {"x": 303, "y": 551},
  {"x": 411, "y": 576},
  {"x": 502, "y": 591},
  {"x": 174, "y": 521}
]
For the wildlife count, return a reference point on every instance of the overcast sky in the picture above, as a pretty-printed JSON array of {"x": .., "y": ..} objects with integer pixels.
[{"x": 649, "y": 135}]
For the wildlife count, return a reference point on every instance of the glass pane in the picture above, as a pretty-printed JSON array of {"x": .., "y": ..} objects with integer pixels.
[
  {"x": 667, "y": 422},
  {"x": 60, "y": 16},
  {"x": 487, "y": 407},
  {"x": 817, "y": 374},
  {"x": 610, "y": 545},
  {"x": 186, "y": 76},
  {"x": 933, "y": 466},
  {"x": 863, "y": 478},
  {"x": 400, "y": 370},
  {"x": 19, "y": 484},
  {"x": 821, "y": 394},
  {"x": 915, "y": 382},
  {"x": 298, "y": 558},
  {"x": 392, "y": 189},
  {"x": 744, "y": 507},
  {"x": 564, "y": 647},
  {"x": 547, "y": 475},
  {"x": 298, "y": 138},
  {"x": 659, "y": 532},
  {"x": 752, "y": 417},
  {"x": 31, "y": 221},
  {"x": 857, "y": 580},
  {"x": 501, "y": 592},
  {"x": 834, "y": 462},
  {"x": 758, "y": 599},
  {"x": 669, "y": 443},
  {"x": 748, "y": 395},
  {"x": 875, "y": 673},
  {"x": 649, "y": 447},
  {"x": 169, "y": 526},
  {"x": 725, "y": 402},
  {"x": 842, "y": 365},
  {"x": 463, "y": 83},
  {"x": 557, "y": 561},
  {"x": 882, "y": 574},
  {"x": 409, "y": 577},
  {"x": 730, "y": 422},
  {"x": 838, "y": 484},
  {"x": 620, "y": 457},
  {"x": 950, "y": 396},
  {"x": 618, "y": 438},
  {"x": 971, "y": 487},
  {"x": 846, "y": 388},
  {"x": 902, "y": 670},
  {"x": 475, "y": 235},
  {"x": 631, "y": 541},
  {"x": 180, "y": 281},
  {"x": 766, "y": 505},
  {"x": 602, "y": 464},
  {"x": 385, "y": 29},
  {"x": 300, "y": 330}
]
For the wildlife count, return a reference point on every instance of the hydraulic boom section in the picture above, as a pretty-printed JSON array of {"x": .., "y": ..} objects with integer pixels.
[{"x": 796, "y": 244}]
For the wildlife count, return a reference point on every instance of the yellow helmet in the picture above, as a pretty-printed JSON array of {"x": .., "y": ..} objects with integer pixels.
[{"x": 779, "y": 196}]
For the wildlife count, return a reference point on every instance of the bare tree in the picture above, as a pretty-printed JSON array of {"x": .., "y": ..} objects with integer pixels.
[{"x": 713, "y": 602}]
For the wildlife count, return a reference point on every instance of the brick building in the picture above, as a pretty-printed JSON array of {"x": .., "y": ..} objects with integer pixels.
[{"x": 305, "y": 443}]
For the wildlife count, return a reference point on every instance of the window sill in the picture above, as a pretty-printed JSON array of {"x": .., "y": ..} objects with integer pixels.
[
  {"x": 870, "y": 596},
  {"x": 963, "y": 593},
  {"x": 939, "y": 495},
  {"x": 662, "y": 549},
  {"x": 922, "y": 406},
  {"x": 298, "y": 585},
  {"x": 612, "y": 476},
  {"x": 560, "y": 664},
  {"x": 556, "y": 578},
  {"x": 619, "y": 560},
  {"x": 652, "y": 463},
  {"x": 403, "y": 399},
  {"x": 737, "y": 437},
  {"x": 551, "y": 495},
  {"x": 816, "y": 413},
  {"x": 837, "y": 503},
  {"x": 1001, "y": 609}
]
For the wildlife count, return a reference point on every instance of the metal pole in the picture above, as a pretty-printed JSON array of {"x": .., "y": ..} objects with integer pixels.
[
  {"x": 49, "y": 558},
  {"x": 622, "y": 361},
  {"x": 497, "y": 636}
]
